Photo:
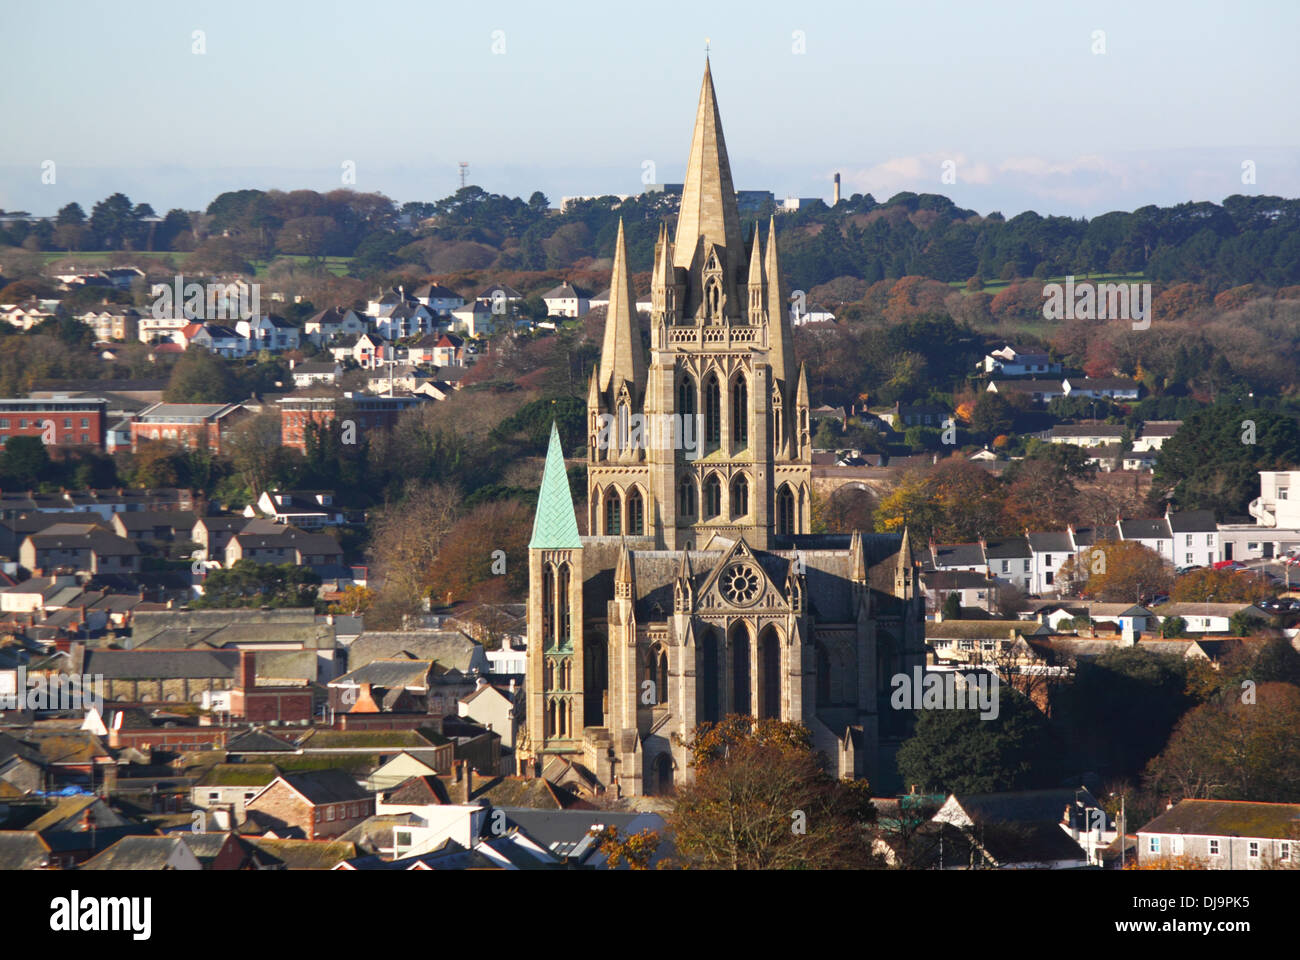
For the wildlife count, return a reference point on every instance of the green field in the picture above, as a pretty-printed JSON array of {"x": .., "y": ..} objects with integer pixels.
[
  {"x": 994, "y": 287},
  {"x": 335, "y": 265}
]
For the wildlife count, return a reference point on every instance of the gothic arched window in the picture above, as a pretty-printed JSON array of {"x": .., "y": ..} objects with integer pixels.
[
  {"x": 613, "y": 513},
  {"x": 712, "y": 410},
  {"x": 712, "y": 496},
  {"x": 635, "y": 513},
  {"x": 785, "y": 510},
  {"x": 548, "y": 605},
  {"x": 739, "y": 497},
  {"x": 563, "y": 622},
  {"x": 686, "y": 497},
  {"x": 740, "y": 411},
  {"x": 686, "y": 396}
]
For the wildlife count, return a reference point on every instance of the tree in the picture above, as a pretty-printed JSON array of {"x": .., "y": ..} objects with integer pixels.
[
  {"x": 1207, "y": 585},
  {"x": 26, "y": 460},
  {"x": 1235, "y": 748},
  {"x": 1117, "y": 571},
  {"x": 1173, "y": 627},
  {"x": 252, "y": 584},
  {"x": 488, "y": 547},
  {"x": 254, "y": 446},
  {"x": 957, "y": 751},
  {"x": 761, "y": 801},
  {"x": 636, "y": 850},
  {"x": 404, "y": 548},
  {"x": 199, "y": 377},
  {"x": 952, "y": 606},
  {"x": 353, "y": 601}
]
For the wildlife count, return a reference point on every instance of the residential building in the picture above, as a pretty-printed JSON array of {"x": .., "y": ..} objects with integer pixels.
[
  {"x": 82, "y": 547},
  {"x": 566, "y": 300},
  {"x": 1090, "y": 434},
  {"x": 1223, "y": 835},
  {"x": 309, "y": 373},
  {"x": 1110, "y": 388},
  {"x": 1040, "y": 390},
  {"x": 1153, "y": 434},
  {"x": 191, "y": 425},
  {"x": 1009, "y": 361},
  {"x": 319, "y": 804}
]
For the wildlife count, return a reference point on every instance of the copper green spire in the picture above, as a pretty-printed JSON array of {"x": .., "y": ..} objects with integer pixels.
[{"x": 555, "y": 525}]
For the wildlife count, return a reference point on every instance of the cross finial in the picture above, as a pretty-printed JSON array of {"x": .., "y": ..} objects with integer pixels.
[{"x": 706, "y": 48}]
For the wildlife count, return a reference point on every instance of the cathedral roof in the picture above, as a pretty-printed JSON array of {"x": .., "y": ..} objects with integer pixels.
[{"x": 555, "y": 525}]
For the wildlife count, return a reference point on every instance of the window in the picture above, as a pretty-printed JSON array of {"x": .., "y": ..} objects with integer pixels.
[
  {"x": 1252, "y": 850},
  {"x": 635, "y": 514},
  {"x": 712, "y": 497},
  {"x": 320, "y": 815},
  {"x": 1153, "y": 845},
  {"x": 4, "y": 424},
  {"x": 686, "y": 497},
  {"x": 1284, "y": 851},
  {"x": 1281, "y": 493},
  {"x": 1026, "y": 566},
  {"x": 1214, "y": 848},
  {"x": 85, "y": 423},
  {"x": 1049, "y": 578},
  {"x": 1209, "y": 539},
  {"x": 613, "y": 514},
  {"x": 67, "y": 423},
  {"x": 1189, "y": 558},
  {"x": 740, "y": 412},
  {"x": 1047, "y": 559},
  {"x": 214, "y": 795},
  {"x": 739, "y": 497},
  {"x": 1006, "y": 566},
  {"x": 1189, "y": 540},
  {"x": 329, "y": 812},
  {"x": 712, "y": 411},
  {"x": 966, "y": 644},
  {"x": 22, "y": 424},
  {"x": 249, "y": 795}
]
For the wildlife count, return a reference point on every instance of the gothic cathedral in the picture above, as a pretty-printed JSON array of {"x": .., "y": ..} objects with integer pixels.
[{"x": 701, "y": 590}]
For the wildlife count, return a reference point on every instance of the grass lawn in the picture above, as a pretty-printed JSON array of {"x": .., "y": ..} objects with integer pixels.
[
  {"x": 994, "y": 287},
  {"x": 335, "y": 265}
]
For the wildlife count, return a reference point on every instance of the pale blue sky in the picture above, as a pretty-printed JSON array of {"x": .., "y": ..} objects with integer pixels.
[{"x": 586, "y": 92}]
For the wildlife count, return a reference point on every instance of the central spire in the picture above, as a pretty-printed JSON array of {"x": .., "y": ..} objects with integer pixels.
[{"x": 708, "y": 211}]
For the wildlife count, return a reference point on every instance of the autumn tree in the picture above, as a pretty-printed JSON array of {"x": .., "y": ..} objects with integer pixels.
[
  {"x": 1239, "y": 747},
  {"x": 760, "y": 800},
  {"x": 1207, "y": 585},
  {"x": 636, "y": 850},
  {"x": 1116, "y": 571},
  {"x": 488, "y": 547},
  {"x": 404, "y": 547}
]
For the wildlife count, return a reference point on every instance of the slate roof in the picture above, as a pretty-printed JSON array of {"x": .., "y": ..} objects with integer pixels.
[
  {"x": 1146, "y": 528},
  {"x": 1012, "y": 548},
  {"x": 22, "y": 850},
  {"x": 135, "y": 853},
  {"x": 238, "y": 775},
  {"x": 451, "y": 649},
  {"x": 1227, "y": 818},
  {"x": 1050, "y": 542},
  {"x": 325, "y": 786},
  {"x": 417, "y": 790},
  {"x": 303, "y": 854},
  {"x": 1193, "y": 521},
  {"x": 1023, "y": 805},
  {"x": 958, "y": 554},
  {"x": 258, "y": 741},
  {"x": 390, "y": 673}
]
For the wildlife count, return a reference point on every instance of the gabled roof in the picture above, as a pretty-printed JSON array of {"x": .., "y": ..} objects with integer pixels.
[
  {"x": 258, "y": 741},
  {"x": 303, "y": 854},
  {"x": 419, "y": 790},
  {"x": 1193, "y": 521},
  {"x": 331, "y": 785},
  {"x": 136, "y": 853},
  {"x": 1229, "y": 818},
  {"x": 23, "y": 850}
]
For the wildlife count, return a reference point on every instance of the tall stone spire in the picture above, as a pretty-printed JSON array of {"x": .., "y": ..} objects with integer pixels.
[
  {"x": 780, "y": 336},
  {"x": 757, "y": 285},
  {"x": 708, "y": 211},
  {"x": 621, "y": 357},
  {"x": 555, "y": 525}
]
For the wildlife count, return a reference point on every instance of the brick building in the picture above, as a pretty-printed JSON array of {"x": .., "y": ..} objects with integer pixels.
[
  {"x": 69, "y": 423},
  {"x": 322, "y": 406},
  {"x": 322, "y": 804},
  {"x": 192, "y": 425}
]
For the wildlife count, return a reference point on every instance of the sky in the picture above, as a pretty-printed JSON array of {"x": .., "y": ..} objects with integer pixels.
[{"x": 1074, "y": 108}]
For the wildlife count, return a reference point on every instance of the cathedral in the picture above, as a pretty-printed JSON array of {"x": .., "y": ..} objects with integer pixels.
[{"x": 701, "y": 590}]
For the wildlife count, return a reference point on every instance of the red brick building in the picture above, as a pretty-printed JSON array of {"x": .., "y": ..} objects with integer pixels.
[
  {"x": 65, "y": 423},
  {"x": 299, "y": 410},
  {"x": 192, "y": 425},
  {"x": 321, "y": 803}
]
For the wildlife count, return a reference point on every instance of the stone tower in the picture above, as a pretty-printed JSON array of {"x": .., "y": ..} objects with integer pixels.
[{"x": 723, "y": 445}]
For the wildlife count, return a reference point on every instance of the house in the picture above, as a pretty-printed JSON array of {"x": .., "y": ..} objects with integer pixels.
[
  {"x": 1139, "y": 460},
  {"x": 284, "y": 545},
  {"x": 1089, "y": 434},
  {"x": 1011, "y": 561},
  {"x": 493, "y": 708},
  {"x": 230, "y": 785},
  {"x": 1195, "y": 537},
  {"x": 1209, "y": 617},
  {"x": 269, "y": 333},
  {"x": 146, "y": 853},
  {"x": 154, "y": 526},
  {"x": 1223, "y": 835},
  {"x": 24, "y": 850},
  {"x": 499, "y": 297},
  {"x": 76, "y": 828},
  {"x": 397, "y": 377},
  {"x": 305, "y": 509},
  {"x": 1110, "y": 388},
  {"x": 1152, "y": 532},
  {"x": 1040, "y": 391},
  {"x": 320, "y": 406},
  {"x": 191, "y": 425},
  {"x": 1152, "y": 434},
  {"x": 57, "y": 421},
  {"x": 439, "y": 299},
  {"x": 474, "y": 319},
  {"x": 212, "y": 534},
  {"x": 311, "y": 372},
  {"x": 321, "y": 804},
  {"x": 975, "y": 591},
  {"x": 112, "y": 322},
  {"x": 399, "y": 685},
  {"x": 221, "y": 340},
  {"x": 975, "y": 641},
  {"x": 1048, "y": 552},
  {"x": 918, "y": 415},
  {"x": 26, "y": 315},
  {"x": 957, "y": 556},
  {"x": 404, "y": 320},
  {"x": 1012, "y": 362},
  {"x": 83, "y": 547},
  {"x": 398, "y": 770},
  {"x": 1027, "y": 829},
  {"x": 323, "y": 327},
  {"x": 566, "y": 300}
]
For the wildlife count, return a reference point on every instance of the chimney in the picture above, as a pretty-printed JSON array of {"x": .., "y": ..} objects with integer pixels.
[
  {"x": 464, "y": 781},
  {"x": 247, "y": 670},
  {"x": 115, "y": 731},
  {"x": 837, "y": 191}
]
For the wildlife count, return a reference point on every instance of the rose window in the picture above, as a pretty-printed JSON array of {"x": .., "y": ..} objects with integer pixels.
[{"x": 740, "y": 584}]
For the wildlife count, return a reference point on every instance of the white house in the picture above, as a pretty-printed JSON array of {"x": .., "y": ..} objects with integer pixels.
[
  {"x": 566, "y": 300},
  {"x": 1090, "y": 434},
  {"x": 270, "y": 333},
  {"x": 1047, "y": 551},
  {"x": 1011, "y": 362},
  {"x": 1154, "y": 433},
  {"x": 1111, "y": 388},
  {"x": 439, "y": 299},
  {"x": 1208, "y": 617},
  {"x": 1195, "y": 537}
]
